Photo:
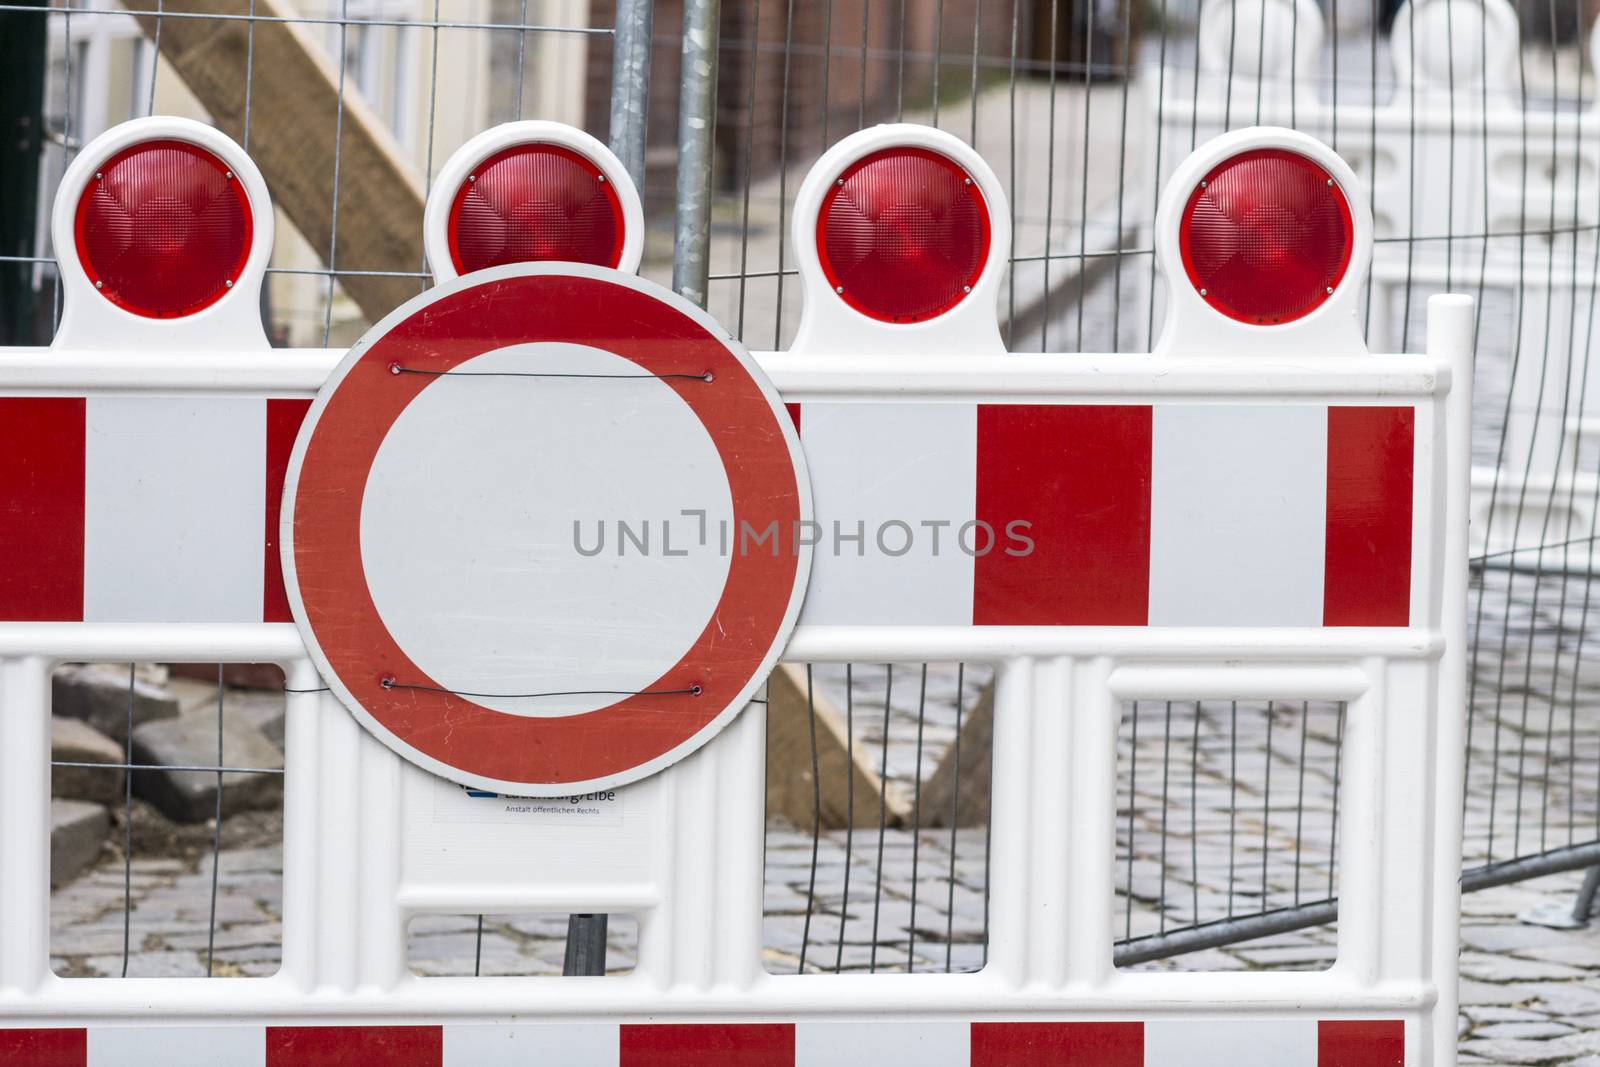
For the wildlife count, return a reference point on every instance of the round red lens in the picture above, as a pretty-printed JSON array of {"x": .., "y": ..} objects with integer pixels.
[
  {"x": 163, "y": 229},
  {"x": 535, "y": 202},
  {"x": 1266, "y": 237},
  {"x": 903, "y": 235}
]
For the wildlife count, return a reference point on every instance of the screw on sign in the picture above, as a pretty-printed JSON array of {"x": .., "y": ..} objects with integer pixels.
[{"x": 432, "y": 518}]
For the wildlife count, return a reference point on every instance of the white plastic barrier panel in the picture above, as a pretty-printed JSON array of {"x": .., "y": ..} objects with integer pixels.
[{"x": 1257, "y": 509}]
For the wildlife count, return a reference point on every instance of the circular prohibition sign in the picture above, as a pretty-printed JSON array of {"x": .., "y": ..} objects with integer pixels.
[{"x": 541, "y": 529}]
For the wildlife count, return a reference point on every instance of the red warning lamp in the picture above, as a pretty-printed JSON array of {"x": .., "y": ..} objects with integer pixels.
[
  {"x": 163, "y": 229},
  {"x": 535, "y": 202},
  {"x": 1266, "y": 237},
  {"x": 903, "y": 234}
]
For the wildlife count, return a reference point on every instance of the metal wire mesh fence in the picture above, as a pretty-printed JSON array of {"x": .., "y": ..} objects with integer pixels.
[
  {"x": 1229, "y": 823},
  {"x": 1009, "y": 78},
  {"x": 191, "y": 884},
  {"x": 350, "y": 82},
  {"x": 896, "y": 879},
  {"x": 1482, "y": 184}
]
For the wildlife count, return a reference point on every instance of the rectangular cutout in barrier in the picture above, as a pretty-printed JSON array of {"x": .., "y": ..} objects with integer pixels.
[
  {"x": 524, "y": 945},
  {"x": 877, "y": 829},
  {"x": 148, "y": 882},
  {"x": 1227, "y": 811}
]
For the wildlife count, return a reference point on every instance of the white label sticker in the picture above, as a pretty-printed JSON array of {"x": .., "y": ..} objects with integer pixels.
[{"x": 459, "y": 803}]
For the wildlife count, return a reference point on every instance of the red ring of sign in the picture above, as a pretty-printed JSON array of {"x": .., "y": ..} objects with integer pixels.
[{"x": 338, "y": 457}]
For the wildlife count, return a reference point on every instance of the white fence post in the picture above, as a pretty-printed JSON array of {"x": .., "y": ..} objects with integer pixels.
[{"x": 24, "y": 823}]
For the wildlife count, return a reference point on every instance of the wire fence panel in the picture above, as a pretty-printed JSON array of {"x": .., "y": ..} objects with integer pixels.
[
  {"x": 1533, "y": 740},
  {"x": 897, "y": 879},
  {"x": 363, "y": 100},
  {"x": 1227, "y": 828},
  {"x": 1228, "y": 812},
  {"x": 178, "y": 775}
]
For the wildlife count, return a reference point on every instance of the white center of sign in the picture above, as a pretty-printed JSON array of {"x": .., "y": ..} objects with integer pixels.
[{"x": 486, "y": 503}]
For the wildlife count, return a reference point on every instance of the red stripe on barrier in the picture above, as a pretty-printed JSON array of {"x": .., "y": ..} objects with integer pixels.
[
  {"x": 355, "y": 1046},
  {"x": 1367, "y": 574},
  {"x": 41, "y": 509},
  {"x": 1058, "y": 1044},
  {"x": 794, "y": 415},
  {"x": 283, "y": 424},
  {"x": 1361, "y": 1043},
  {"x": 694, "y": 1044},
  {"x": 1066, "y": 491},
  {"x": 44, "y": 1048}
]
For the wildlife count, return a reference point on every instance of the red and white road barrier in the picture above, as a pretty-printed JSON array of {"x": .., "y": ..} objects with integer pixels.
[{"x": 1257, "y": 509}]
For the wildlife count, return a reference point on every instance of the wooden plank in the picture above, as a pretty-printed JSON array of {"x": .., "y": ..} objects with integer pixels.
[
  {"x": 964, "y": 790},
  {"x": 296, "y": 135},
  {"x": 846, "y": 784}
]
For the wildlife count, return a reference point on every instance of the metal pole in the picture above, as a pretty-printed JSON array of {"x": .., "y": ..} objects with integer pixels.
[
  {"x": 1245, "y": 928},
  {"x": 697, "y": 123},
  {"x": 22, "y": 62},
  {"x": 1560, "y": 917},
  {"x": 630, "y": 85},
  {"x": 586, "y": 945},
  {"x": 1554, "y": 916},
  {"x": 1224, "y": 932},
  {"x": 1518, "y": 870},
  {"x": 1583, "y": 907}
]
